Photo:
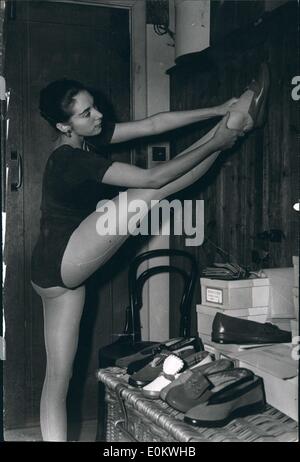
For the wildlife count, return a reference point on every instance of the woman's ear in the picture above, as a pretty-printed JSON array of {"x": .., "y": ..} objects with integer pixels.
[{"x": 63, "y": 128}]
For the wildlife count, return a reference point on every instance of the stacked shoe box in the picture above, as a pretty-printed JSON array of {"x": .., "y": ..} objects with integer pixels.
[
  {"x": 295, "y": 322},
  {"x": 246, "y": 298}
]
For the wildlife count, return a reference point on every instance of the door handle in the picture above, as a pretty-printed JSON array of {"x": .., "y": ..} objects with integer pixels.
[{"x": 16, "y": 157}]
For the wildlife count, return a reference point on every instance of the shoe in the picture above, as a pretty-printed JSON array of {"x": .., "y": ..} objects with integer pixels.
[
  {"x": 147, "y": 352},
  {"x": 260, "y": 87},
  {"x": 205, "y": 368},
  {"x": 171, "y": 366},
  {"x": 236, "y": 400},
  {"x": 152, "y": 370},
  {"x": 228, "y": 329},
  {"x": 144, "y": 357},
  {"x": 193, "y": 386}
]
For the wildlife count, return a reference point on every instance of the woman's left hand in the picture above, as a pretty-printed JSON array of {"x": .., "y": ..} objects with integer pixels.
[{"x": 225, "y": 107}]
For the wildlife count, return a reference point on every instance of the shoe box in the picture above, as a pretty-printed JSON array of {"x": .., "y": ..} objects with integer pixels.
[
  {"x": 296, "y": 301},
  {"x": 278, "y": 366},
  {"x": 240, "y": 294},
  {"x": 294, "y": 327},
  {"x": 228, "y": 351},
  {"x": 296, "y": 286},
  {"x": 206, "y": 314},
  {"x": 296, "y": 270},
  {"x": 282, "y": 293}
]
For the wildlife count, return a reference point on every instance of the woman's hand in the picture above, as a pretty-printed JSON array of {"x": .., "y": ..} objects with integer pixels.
[
  {"x": 225, "y": 107},
  {"x": 225, "y": 137}
]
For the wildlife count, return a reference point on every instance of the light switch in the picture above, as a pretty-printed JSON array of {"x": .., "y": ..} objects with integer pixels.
[{"x": 159, "y": 153}]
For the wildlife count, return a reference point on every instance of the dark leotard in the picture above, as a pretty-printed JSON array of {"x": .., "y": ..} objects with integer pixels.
[{"x": 71, "y": 190}]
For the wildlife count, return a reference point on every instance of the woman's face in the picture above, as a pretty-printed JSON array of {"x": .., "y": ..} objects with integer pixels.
[{"x": 86, "y": 119}]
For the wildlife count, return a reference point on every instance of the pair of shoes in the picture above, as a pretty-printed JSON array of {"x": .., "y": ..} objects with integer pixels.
[
  {"x": 185, "y": 392},
  {"x": 138, "y": 360},
  {"x": 244, "y": 395},
  {"x": 152, "y": 370},
  {"x": 228, "y": 329}
]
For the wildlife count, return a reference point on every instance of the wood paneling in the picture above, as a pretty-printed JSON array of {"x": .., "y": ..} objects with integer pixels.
[{"x": 251, "y": 188}]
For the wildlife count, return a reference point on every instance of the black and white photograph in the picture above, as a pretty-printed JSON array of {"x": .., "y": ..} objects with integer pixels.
[{"x": 150, "y": 193}]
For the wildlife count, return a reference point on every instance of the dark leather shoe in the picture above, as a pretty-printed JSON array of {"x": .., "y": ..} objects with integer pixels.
[
  {"x": 260, "y": 87},
  {"x": 148, "y": 352},
  {"x": 227, "y": 329},
  {"x": 239, "y": 399},
  {"x": 135, "y": 362}
]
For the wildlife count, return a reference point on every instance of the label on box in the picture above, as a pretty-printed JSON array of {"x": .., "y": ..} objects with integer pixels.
[{"x": 214, "y": 295}]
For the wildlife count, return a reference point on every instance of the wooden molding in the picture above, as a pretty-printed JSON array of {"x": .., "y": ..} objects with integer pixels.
[{"x": 137, "y": 24}]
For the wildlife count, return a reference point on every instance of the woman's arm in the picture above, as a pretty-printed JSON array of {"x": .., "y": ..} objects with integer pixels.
[
  {"x": 121, "y": 174},
  {"x": 165, "y": 121}
]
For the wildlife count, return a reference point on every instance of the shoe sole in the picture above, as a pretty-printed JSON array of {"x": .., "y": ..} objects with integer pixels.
[
  {"x": 252, "y": 401},
  {"x": 251, "y": 409},
  {"x": 246, "y": 340}
]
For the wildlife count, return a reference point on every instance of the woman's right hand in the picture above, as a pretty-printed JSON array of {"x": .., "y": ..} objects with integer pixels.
[{"x": 225, "y": 137}]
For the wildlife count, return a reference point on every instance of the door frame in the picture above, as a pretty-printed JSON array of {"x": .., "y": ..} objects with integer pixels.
[
  {"x": 137, "y": 31},
  {"x": 138, "y": 63}
]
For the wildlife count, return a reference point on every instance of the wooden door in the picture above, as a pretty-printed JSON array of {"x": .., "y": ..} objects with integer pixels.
[{"x": 47, "y": 41}]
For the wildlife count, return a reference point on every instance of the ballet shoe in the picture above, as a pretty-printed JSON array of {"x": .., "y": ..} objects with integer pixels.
[
  {"x": 260, "y": 88},
  {"x": 255, "y": 115}
]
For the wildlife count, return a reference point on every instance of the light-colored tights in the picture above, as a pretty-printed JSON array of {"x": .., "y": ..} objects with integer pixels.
[{"x": 85, "y": 253}]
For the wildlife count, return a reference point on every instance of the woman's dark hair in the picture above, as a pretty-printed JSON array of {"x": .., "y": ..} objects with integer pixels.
[{"x": 57, "y": 98}]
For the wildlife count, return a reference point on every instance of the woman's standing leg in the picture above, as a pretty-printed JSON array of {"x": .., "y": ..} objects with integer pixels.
[{"x": 62, "y": 314}]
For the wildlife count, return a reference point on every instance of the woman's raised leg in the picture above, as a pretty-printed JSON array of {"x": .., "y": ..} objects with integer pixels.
[
  {"x": 62, "y": 313},
  {"x": 88, "y": 250}
]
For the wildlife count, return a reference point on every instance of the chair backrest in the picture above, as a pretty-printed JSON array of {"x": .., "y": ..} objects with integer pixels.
[{"x": 136, "y": 286}]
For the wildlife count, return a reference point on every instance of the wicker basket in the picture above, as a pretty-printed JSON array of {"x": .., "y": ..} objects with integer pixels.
[{"x": 132, "y": 417}]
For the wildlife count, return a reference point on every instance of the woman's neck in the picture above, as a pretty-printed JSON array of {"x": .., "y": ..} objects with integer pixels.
[{"x": 73, "y": 141}]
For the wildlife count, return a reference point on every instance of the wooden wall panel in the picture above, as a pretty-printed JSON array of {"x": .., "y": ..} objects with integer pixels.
[{"x": 251, "y": 188}]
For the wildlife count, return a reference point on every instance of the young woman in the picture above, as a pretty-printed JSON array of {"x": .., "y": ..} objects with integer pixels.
[{"x": 69, "y": 248}]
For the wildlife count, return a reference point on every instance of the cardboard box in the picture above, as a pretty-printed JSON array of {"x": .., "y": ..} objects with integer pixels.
[
  {"x": 296, "y": 271},
  {"x": 295, "y": 327},
  {"x": 282, "y": 323},
  {"x": 206, "y": 314},
  {"x": 279, "y": 371},
  {"x": 241, "y": 294},
  {"x": 230, "y": 351},
  {"x": 220, "y": 350},
  {"x": 281, "y": 294},
  {"x": 296, "y": 301}
]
